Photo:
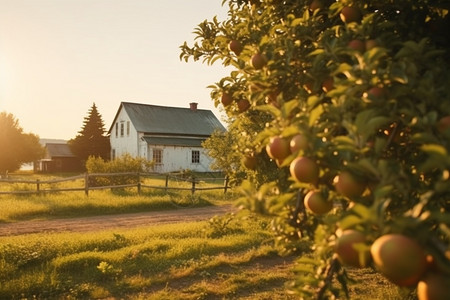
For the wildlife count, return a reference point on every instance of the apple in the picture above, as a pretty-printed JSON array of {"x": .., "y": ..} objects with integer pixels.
[
  {"x": 226, "y": 99},
  {"x": 399, "y": 258},
  {"x": 250, "y": 162},
  {"x": 348, "y": 185},
  {"x": 370, "y": 44},
  {"x": 328, "y": 84},
  {"x": 375, "y": 93},
  {"x": 243, "y": 105},
  {"x": 315, "y": 4},
  {"x": 433, "y": 286},
  {"x": 278, "y": 148},
  {"x": 235, "y": 46},
  {"x": 357, "y": 45},
  {"x": 298, "y": 142},
  {"x": 317, "y": 203},
  {"x": 305, "y": 170},
  {"x": 443, "y": 124},
  {"x": 350, "y": 14},
  {"x": 259, "y": 60},
  {"x": 347, "y": 253},
  {"x": 309, "y": 87}
]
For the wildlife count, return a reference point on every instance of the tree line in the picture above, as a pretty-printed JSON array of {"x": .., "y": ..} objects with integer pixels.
[{"x": 18, "y": 147}]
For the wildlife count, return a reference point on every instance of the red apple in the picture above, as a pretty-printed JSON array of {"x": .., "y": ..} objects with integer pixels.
[
  {"x": 370, "y": 44},
  {"x": 347, "y": 253},
  {"x": 315, "y": 4},
  {"x": 317, "y": 203},
  {"x": 433, "y": 286},
  {"x": 443, "y": 124},
  {"x": 328, "y": 84},
  {"x": 304, "y": 170},
  {"x": 400, "y": 258},
  {"x": 348, "y": 185},
  {"x": 250, "y": 162},
  {"x": 375, "y": 94},
  {"x": 299, "y": 142},
  {"x": 259, "y": 60},
  {"x": 226, "y": 99},
  {"x": 243, "y": 105},
  {"x": 278, "y": 148},
  {"x": 235, "y": 46},
  {"x": 350, "y": 14},
  {"x": 357, "y": 45}
]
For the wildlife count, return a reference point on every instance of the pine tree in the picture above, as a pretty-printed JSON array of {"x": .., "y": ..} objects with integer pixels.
[{"x": 91, "y": 139}]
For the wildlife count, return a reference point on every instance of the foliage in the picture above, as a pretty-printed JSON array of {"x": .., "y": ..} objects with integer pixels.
[
  {"x": 91, "y": 139},
  {"x": 370, "y": 91},
  {"x": 17, "y": 147},
  {"x": 122, "y": 164}
]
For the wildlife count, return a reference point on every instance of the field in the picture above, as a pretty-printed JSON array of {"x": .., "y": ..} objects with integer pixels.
[{"x": 227, "y": 257}]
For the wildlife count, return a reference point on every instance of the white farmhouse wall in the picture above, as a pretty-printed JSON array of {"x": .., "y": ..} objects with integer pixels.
[
  {"x": 176, "y": 158},
  {"x": 126, "y": 141}
]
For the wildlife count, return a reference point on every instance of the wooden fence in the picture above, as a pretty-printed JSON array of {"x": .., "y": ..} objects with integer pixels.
[{"x": 91, "y": 182}]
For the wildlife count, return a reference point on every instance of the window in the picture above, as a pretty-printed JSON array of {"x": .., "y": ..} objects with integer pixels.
[
  {"x": 195, "y": 156},
  {"x": 157, "y": 156},
  {"x": 121, "y": 129},
  {"x": 117, "y": 129},
  {"x": 128, "y": 128}
]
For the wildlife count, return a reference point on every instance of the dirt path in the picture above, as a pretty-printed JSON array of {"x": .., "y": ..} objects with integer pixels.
[{"x": 121, "y": 221}]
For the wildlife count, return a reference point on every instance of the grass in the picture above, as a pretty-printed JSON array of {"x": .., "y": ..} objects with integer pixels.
[
  {"x": 100, "y": 202},
  {"x": 227, "y": 257},
  {"x": 190, "y": 260}
]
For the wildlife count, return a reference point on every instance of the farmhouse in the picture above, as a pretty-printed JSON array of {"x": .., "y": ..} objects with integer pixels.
[
  {"x": 171, "y": 137},
  {"x": 58, "y": 158}
]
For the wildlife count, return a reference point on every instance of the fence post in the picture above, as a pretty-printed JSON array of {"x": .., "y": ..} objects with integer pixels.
[
  {"x": 38, "y": 188},
  {"x": 225, "y": 187},
  {"x": 167, "y": 182},
  {"x": 139, "y": 183},
  {"x": 193, "y": 185},
  {"x": 86, "y": 184}
]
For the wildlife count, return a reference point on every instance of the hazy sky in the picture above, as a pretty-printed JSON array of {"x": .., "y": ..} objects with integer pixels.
[{"x": 57, "y": 57}]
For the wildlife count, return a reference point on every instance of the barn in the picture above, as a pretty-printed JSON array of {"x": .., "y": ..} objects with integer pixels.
[{"x": 171, "y": 137}]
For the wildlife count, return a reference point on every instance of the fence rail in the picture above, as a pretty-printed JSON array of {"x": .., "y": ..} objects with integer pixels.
[{"x": 89, "y": 183}]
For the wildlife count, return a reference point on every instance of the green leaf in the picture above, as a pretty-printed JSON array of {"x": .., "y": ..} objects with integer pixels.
[
  {"x": 434, "y": 149},
  {"x": 361, "y": 210},
  {"x": 315, "y": 114},
  {"x": 350, "y": 221}
]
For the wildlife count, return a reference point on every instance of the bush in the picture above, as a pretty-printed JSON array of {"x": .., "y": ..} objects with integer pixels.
[{"x": 124, "y": 164}]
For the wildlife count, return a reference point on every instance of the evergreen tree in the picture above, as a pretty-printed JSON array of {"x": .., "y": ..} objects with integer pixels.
[
  {"x": 16, "y": 147},
  {"x": 91, "y": 139}
]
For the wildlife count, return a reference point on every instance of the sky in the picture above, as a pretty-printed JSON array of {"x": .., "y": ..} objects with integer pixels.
[{"x": 58, "y": 57}]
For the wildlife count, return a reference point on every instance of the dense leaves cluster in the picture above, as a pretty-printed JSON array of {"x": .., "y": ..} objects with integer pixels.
[
  {"x": 366, "y": 87},
  {"x": 16, "y": 147}
]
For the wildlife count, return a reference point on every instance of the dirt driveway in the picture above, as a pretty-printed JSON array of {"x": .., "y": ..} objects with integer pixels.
[{"x": 121, "y": 221}]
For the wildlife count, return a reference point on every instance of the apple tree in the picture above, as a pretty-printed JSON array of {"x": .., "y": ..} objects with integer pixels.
[{"x": 354, "y": 100}]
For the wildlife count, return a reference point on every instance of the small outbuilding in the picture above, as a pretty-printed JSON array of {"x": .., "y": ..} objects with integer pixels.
[{"x": 58, "y": 158}]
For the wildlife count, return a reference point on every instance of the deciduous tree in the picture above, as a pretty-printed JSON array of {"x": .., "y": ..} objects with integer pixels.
[{"x": 16, "y": 147}]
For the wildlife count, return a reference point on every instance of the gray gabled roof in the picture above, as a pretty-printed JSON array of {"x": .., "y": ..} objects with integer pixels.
[
  {"x": 154, "y": 119},
  {"x": 58, "y": 150}
]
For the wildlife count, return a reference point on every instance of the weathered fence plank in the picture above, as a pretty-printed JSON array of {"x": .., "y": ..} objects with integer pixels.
[{"x": 87, "y": 187}]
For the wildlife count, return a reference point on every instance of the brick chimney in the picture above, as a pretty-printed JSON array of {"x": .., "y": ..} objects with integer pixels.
[{"x": 193, "y": 106}]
